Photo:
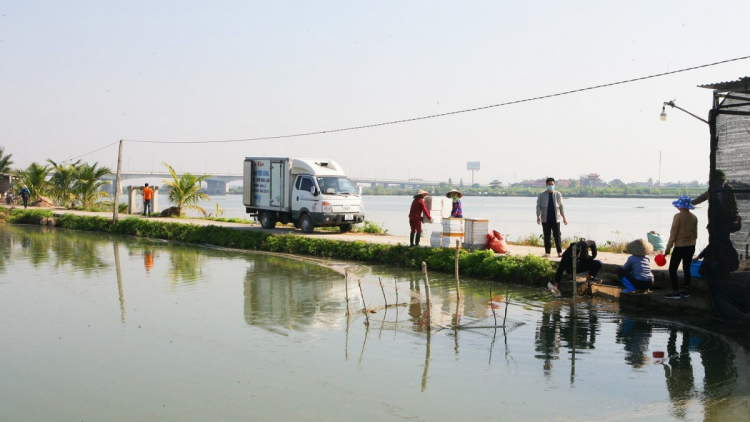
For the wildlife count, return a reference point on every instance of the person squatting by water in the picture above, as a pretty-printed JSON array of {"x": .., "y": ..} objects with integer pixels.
[
  {"x": 682, "y": 236},
  {"x": 456, "y": 210},
  {"x": 549, "y": 212},
  {"x": 415, "y": 217},
  {"x": 148, "y": 197},
  {"x": 585, "y": 261},
  {"x": 636, "y": 273},
  {"x": 25, "y": 194}
]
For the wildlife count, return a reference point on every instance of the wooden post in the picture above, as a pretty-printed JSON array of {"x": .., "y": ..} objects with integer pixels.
[
  {"x": 427, "y": 294},
  {"x": 380, "y": 280},
  {"x": 118, "y": 186},
  {"x": 575, "y": 279},
  {"x": 362, "y": 293},
  {"x": 346, "y": 280},
  {"x": 458, "y": 283}
]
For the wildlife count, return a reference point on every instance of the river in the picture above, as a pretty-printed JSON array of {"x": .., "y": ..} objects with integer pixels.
[
  {"x": 100, "y": 327},
  {"x": 600, "y": 219}
]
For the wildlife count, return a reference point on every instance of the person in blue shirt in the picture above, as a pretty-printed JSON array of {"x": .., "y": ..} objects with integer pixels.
[
  {"x": 636, "y": 273},
  {"x": 25, "y": 194},
  {"x": 456, "y": 210}
]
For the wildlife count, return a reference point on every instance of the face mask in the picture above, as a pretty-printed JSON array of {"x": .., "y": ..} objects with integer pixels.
[
  {"x": 551, "y": 187},
  {"x": 455, "y": 199}
]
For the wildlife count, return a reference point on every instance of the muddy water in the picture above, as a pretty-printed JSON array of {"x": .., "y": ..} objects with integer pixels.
[{"x": 99, "y": 328}]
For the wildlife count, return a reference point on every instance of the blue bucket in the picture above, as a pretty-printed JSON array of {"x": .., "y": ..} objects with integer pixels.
[{"x": 694, "y": 269}]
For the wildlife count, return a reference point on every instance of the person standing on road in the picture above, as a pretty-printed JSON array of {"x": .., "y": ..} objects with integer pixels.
[
  {"x": 148, "y": 197},
  {"x": 415, "y": 217},
  {"x": 549, "y": 212},
  {"x": 25, "y": 194},
  {"x": 682, "y": 236}
]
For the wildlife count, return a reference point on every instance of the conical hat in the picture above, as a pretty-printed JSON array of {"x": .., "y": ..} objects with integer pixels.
[
  {"x": 421, "y": 192},
  {"x": 639, "y": 247},
  {"x": 448, "y": 195}
]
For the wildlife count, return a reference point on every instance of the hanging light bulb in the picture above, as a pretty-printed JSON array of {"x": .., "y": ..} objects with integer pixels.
[{"x": 663, "y": 115}]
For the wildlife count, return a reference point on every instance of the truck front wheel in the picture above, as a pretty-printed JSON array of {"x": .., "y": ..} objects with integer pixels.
[
  {"x": 267, "y": 221},
  {"x": 306, "y": 224}
]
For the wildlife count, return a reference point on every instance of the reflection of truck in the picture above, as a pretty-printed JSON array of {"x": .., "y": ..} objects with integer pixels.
[{"x": 308, "y": 192}]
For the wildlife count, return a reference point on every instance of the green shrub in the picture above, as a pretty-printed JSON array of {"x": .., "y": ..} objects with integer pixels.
[{"x": 529, "y": 269}]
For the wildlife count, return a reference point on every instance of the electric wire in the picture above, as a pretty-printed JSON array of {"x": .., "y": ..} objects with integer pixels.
[{"x": 432, "y": 116}]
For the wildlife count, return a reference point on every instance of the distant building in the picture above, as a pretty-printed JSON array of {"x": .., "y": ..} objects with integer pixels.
[{"x": 592, "y": 179}]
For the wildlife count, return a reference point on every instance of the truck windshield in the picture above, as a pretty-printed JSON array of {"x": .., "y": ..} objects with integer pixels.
[{"x": 337, "y": 185}]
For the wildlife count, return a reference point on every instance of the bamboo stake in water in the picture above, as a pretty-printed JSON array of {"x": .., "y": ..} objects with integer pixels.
[
  {"x": 575, "y": 279},
  {"x": 383, "y": 290},
  {"x": 427, "y": 294},
  {"x": 367, "y": 317},
  {"x": 346, "y": 278},
  {"x": 395, "y": 287},
  {"x": 458, "y": 283}
]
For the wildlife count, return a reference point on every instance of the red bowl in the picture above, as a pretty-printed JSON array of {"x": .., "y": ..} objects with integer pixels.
[{"x": 660, "y": 260}]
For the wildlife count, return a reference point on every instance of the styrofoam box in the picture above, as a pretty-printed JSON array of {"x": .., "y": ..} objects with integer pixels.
[{"x": 476, "y": 230}]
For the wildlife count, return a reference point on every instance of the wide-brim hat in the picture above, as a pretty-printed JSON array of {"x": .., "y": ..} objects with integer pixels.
[
  {"x": 683, "y": 202},
  {"x": 421, "y": 192},
  {"x": 448, "y": 195},
  {"x": 639, "y": 247}
]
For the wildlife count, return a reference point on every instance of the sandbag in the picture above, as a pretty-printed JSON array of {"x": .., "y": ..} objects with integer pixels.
[
  {"x": 657, "y": 240},
  {"x": 496, "y": 242}
]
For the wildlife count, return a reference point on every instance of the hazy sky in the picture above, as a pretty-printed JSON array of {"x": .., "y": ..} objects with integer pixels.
[{"x": 77, "y": 75}]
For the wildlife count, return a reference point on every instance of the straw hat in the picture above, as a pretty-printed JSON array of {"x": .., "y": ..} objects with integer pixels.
[
  {"x": 421, "y": 192},
  {"x": 639, "y": 247},
  {"x": 448, "y": 195}
]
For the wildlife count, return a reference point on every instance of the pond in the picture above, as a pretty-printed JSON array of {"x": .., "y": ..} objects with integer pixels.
[{"x": 100, "y": 327}]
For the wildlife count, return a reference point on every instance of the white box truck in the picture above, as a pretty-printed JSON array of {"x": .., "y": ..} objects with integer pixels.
[{"x": 308, "y": 192}]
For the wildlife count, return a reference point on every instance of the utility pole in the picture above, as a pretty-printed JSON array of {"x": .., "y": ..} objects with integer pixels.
[
  {"x": 118, "y": 187},
  {"x": 659, "y": 168}
]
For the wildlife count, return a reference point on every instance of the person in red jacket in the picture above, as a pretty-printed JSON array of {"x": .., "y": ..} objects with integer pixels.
[{"x": 415, "y": 217}]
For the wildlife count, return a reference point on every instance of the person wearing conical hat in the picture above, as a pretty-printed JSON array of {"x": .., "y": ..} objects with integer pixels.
[
  {"x": 682, "y": 236},
  {"x": 456, "y": 210},
  {"x": 636, "y": 273},
  {"x": 415, "y": 217}
]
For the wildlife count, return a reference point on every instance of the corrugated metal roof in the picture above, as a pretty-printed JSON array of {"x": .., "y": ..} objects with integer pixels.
[{"x": 741, "y": 84}]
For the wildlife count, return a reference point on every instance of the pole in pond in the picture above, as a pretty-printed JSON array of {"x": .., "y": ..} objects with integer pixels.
[
  {"x": 575, "y": 281},
  {"x": 427, "y": 294},
  {"x": 364, "y": 306},
  {"x": 346, "y": 280},
  {"x": 118, "y": 186},
  {"x": 395, "y": 287},
  {"x": 458, "y": 283},
  {"x": 380, "y": 280}
]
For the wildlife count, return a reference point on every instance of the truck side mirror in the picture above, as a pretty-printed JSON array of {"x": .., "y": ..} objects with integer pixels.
[
  {"x": 359, "y": 188},
  {"x": 314, "y": 190}
]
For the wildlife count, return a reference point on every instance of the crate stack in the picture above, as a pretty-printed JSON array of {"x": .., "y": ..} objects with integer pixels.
[
  {"x": 453, "y": 229},
  {"x": 475, "y": 235}
]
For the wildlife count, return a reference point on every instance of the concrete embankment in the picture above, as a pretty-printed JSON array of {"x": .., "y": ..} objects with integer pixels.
[{"x": 610, "y": 288}]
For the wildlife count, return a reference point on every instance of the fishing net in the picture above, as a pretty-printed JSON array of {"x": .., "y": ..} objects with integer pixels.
[{"x": 727, "y": 261}]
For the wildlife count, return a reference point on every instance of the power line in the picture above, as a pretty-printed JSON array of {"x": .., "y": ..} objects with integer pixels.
[
  {"x": 433, "y": 116},
  {"x": 91, "y": 152}
]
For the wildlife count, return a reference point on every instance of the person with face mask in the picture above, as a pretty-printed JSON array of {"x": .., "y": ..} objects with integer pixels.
[{"x": 549, "y": 213}]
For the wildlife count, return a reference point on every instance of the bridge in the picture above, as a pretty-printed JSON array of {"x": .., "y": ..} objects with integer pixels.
[
  {"x": 409, "y": 183},
  {"x": 216, "y": 183}
]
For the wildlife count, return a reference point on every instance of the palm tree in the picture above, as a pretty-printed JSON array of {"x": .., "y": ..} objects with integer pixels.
[
  {"x": 62, "y": 182},
  {"x": 87, "y": 183},
  {"x": 184, "y": 191},
  {"x": 5, "y": 161},
  {"x": 35, "y": 178}
]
